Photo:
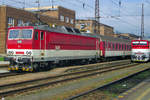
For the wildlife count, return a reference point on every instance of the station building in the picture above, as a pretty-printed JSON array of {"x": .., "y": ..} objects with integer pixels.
[
  {"x": 89, "y": 27},
  {"x": 10, "y": 16}
]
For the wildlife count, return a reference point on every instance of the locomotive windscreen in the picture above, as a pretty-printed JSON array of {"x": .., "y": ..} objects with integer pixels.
[
  {"x": 143, "y": 43},
  {"x": 139, "y": 43},
  {"x": 135, "y": 43},
  {"x": 20, "y": 34}
]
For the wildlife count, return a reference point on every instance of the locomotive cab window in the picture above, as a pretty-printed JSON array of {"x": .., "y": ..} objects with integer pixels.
[
  {"x": 143, "y": 43},
  {"x": 20, "y": 34},
  {"x": 135, "y": 43},
  {"x": 26, "y": 34},
  {"x": 13, "y": 34}
]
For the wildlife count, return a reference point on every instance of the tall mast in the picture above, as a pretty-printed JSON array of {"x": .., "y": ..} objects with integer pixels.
[
  {"x": 97, "y": 17},
  {"x": 142, "y": 22}
]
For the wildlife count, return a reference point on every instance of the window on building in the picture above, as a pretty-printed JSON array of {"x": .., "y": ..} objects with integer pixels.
[
  {"x": 62, "y": 18},
  {"x": 27, "y": 23},
  {"x": 19, "y": 22},
  {"x": 71, "y": 21},
  {"x": 67, "y": 19},
  {"x": 10, "y": 22},
  {"x": 88, "y": 24}
]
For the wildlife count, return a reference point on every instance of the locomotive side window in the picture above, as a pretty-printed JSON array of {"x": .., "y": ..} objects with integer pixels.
[
  {"x": 116, "y": 46},
  {"x": 113, "y": 46},
  {"x": 36, "y": 36},
  {"x": 104, "y": 44},
  {"x": 125, "y": 47},
  {"x": 42, "y": 35}
]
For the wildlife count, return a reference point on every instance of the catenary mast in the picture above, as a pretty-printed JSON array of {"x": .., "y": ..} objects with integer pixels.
[{"x": 97, "y": 17}]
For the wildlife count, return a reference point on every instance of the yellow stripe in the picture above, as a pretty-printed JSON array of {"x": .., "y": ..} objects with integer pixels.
[
  {"x": 23, "y": 69},
  {"x": 13, "y": 68},
  {"x": 145, "y": 93},
  {"x": 120, "y": 96},
  {"x": 16, "y": 68},
  {"x": 31, "y": 69},
  {"x": 27, "y": 69},
  {"x": 9, "y": 68}
]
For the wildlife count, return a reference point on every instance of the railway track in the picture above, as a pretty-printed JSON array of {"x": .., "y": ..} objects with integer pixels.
[
  {"x": 80, "y": 96},
  {"x": 7, "y": 74},
  {"x": 14, "y": 88}
]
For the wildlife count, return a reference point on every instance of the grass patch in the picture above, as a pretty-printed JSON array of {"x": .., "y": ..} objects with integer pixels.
[
  {"x": 124, "y": 85},
  {"x": 1, "y": 58}
]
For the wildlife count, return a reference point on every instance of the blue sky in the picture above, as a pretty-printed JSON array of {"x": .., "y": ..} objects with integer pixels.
[{"x": 125, "y": 19}]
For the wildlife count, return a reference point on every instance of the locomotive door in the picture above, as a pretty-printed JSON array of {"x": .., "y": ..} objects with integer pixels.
[{"x": 42, "y": 43}]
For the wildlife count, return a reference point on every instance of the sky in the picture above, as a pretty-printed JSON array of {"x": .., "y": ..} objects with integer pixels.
[{"x": 125, "y": 18}]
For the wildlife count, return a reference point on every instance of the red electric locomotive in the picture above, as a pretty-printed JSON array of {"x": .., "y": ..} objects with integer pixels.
[
  {"x": 38, "y": 47},
  {"x": 32, "y": 47},
  {"x": 140, "y": 50}
]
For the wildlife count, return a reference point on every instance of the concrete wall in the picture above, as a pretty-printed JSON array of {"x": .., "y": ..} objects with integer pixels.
[{"x": 3, "y": 29}]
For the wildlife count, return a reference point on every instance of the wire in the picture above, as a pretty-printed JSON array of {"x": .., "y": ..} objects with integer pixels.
[{"x": 19, "y": 2}]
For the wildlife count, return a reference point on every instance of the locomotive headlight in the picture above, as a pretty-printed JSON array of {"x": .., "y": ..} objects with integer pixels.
[
  {"x": 28, "y": 52},
  {"x": 10, "y": 52}
]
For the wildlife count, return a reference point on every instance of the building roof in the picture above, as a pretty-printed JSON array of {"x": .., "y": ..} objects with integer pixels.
[{"x": 94, "y": 21}]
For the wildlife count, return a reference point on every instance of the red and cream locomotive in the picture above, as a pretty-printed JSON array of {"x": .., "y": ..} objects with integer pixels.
[
  {"x": 38, "y": 47},
  {"x": 140, "y": 50}
]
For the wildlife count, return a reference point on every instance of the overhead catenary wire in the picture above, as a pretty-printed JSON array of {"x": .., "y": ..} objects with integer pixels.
[{"x": 85, "y": 6}]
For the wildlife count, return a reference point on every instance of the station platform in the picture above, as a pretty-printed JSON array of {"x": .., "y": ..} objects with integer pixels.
[
  {"x": 139, "y": 92},
  {"x": 4, "y": 71},
  {"x": 4, "y": 63}
]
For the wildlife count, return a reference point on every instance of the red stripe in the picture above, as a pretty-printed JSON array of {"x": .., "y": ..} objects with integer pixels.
[{"x": 19, "y": 52}]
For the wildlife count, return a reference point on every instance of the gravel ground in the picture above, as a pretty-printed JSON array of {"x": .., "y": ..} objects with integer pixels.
[
  {"x": 56, "y": 71},
  {"x": 30, "y": 76},
  {"x": 113, "y": 90},
  {"x": 97, "y": 96},
  {"x": 62, "y": 91}
]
